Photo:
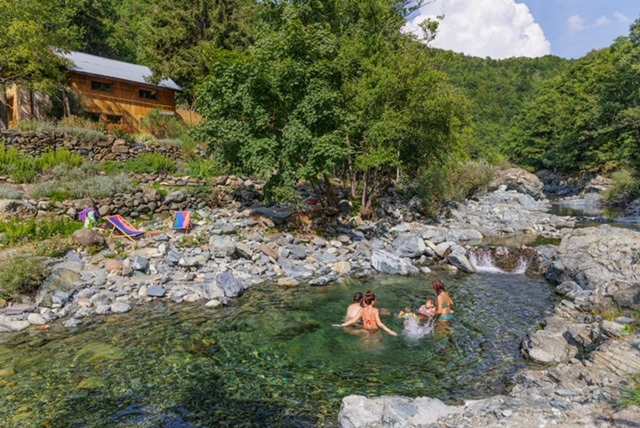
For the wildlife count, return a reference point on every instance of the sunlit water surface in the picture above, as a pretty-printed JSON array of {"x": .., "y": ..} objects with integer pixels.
[{"x": 270, "y": 359}]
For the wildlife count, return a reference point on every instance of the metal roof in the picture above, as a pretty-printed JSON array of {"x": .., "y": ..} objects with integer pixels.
[{"x": 99, "y": 66}]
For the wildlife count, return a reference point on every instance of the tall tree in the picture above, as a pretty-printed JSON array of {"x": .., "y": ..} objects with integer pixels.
[{"x": 177, "y": 39}]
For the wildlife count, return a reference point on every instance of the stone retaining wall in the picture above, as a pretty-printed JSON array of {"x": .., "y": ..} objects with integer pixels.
[{"x": 108, "y": 148}]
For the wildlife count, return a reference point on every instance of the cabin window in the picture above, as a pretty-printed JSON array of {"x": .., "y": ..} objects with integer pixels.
[
  {"x": 111, "y": 118},
  {"x": 101, "y": 86},
  {"x": 148, "y": 95},
  {"x": 93, "y": 117}
]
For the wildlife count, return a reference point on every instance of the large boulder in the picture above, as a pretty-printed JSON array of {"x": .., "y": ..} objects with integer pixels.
[
  {"x": 60, "y": 279},
  {"x": 382, "y": 412},
  {"x": 458, "y": 258},
  {"x": 221, "y": 246},
  {"x": 385, "y": 262},
  {"x": 411, "y": 246},
  {"x": 559, "y": 340},
  {"x": 605, "y": 260},
  {"x": 88, "y": 238},
  {"x": 519, "y": 180}
]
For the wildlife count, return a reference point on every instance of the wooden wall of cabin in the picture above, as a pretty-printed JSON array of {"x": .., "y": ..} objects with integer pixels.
[
  {"x": 25, "y": 104},
  {"x": 124, "y": 101}
]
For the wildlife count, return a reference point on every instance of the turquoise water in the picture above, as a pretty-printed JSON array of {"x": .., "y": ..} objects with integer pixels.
[{"x": 270, "y": 359}]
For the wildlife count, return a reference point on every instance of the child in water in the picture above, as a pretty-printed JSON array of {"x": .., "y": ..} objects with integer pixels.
[
  {"x": 406, "y": 315},
  {"x": 428, "y": 310}
]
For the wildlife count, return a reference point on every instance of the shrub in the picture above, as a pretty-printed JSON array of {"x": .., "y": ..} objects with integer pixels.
[
  {"x": 20, "y": 275},
  {"x": 624, "y": 187},
  {"x": 164, "y": 125},
  {"x": 143, "y": 138},
  {"x": 457, "y": 182},
  {"x": 81, "y": 122},
  {"x": 7, "y": 192},
  {"x": 151, "y": 163},
  {"x": 202, "y": 168},
  {"x": 53, "y": 158},
  {"x": 56, "y": 247},
  {"x": 75, "y": 185},
  {"x": 120, "y": 130}
]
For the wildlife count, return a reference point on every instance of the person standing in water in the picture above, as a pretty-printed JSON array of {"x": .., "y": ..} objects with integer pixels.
[
  {"x": 355, "y": 308},
  {"x": 370, "y": 316},
  {"x": 443, "y": 301}
]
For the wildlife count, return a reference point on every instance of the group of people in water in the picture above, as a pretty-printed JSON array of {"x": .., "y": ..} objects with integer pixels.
[{"x": 363, "y": 310}]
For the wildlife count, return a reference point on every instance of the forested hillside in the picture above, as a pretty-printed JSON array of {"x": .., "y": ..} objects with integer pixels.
[{"x": 334, "y": 90}]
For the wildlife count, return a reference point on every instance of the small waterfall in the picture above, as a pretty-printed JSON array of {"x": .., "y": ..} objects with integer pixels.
[{"x": 484, "y": 261}]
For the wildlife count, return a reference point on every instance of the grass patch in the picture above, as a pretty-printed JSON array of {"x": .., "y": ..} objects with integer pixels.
[
  {"x": 202, "y": 168},
  {"x": 18, "y": 232},
  {"x": 20, "y": 275},
  {"x": 631, "y": 396},
  {"x": 26, "y": 169}
]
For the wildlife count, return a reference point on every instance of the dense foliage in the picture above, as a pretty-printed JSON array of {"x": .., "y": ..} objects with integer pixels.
[
  {"x": 588, "y": 118},
  {"x": 333, "y": 92}
]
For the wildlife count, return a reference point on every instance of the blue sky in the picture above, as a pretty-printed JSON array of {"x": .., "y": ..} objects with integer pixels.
[{"x": 532, "y": 28}]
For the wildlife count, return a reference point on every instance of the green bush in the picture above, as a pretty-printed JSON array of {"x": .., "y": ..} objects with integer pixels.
[
  {"x": 202, "y": 168},
  {"x": 624, "y": 187},
  {"x": 26, "y": 169},
  {"x": 457, "y": 182},
  {"x": 56, "y": 247},
  {"x": 151, "y": 163},
  {"x": 23, "y": 231},
  {"x": 163, "y": 125},
  {"x": 20, "y": 275}
]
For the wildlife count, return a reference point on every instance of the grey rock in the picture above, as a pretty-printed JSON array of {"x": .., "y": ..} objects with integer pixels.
[
  {"x": 221, "y": 247},
  {"x": 62, "y": 279},
  {"x": 120, "y": 307},
  {"x": 101, "y": 299},
  {"x": 387, "y": 263},
  {"x": 173, "y": 258},
  {"x": 243, "y": 250},
  {"x": 140, "y": 264},
  {"x": 292, "y": 270},
  {"x": 12, "y": 326},
  {"x": 36, "y": 319},
  {"x": 297, "y": 252},
  {"x": 60, "y": 298},
  {"x": 384, "y": 412},
  {"x": 458, "y": 258},
  {"x": 410, "y": 246},
  {"x": 19, "y": 309},
  {"x": 156, "y": 291},
  {"x": 213, "y": 304},
  {"x": 231, "y": 285},
  {"x": 72, "y": 323}
]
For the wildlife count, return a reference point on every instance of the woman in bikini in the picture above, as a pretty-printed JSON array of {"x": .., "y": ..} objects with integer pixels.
[
  {"x": 443, "y": 302},
  {"x": 370, "y": 316}
]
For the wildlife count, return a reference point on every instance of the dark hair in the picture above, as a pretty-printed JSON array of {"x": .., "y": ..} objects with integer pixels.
[
  {"x": 358, "y": 297},
  {"x": 369, "y": 297},
  {"x": 432, "y": 300},
  {"x": 438, "y": 286}
]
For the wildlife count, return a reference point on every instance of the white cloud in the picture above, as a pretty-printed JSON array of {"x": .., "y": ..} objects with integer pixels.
[
  {"x": 493, "y": 28},
  {"x": 602, "y": 21},
  {"x": 576, "y": 23},
  {"x": 621, "y": 17}
]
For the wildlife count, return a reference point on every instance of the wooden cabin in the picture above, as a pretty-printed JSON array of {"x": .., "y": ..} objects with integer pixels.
[
  {"x": 110, "y": 91},
  {"x": 118, "y": 92}
]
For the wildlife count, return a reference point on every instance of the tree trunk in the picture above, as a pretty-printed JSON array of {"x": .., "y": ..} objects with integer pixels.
[
  {"x": 4, "y": 107},
  {"x": 332, "y": 200},
  {"x": 65, "y": 99}
]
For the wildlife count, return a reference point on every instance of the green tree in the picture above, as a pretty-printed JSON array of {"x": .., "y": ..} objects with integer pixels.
[
  {"x": 274, "y": 111},
  {"x": 178, "y": 39}
]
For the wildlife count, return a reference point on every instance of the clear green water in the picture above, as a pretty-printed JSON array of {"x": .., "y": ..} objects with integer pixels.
[{"x": 270, "y": 359}]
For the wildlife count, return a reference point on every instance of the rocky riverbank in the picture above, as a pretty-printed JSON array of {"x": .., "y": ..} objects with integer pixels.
[
  {"x": 589, "y": 356},
  {"x": 230, "y": 249}
]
